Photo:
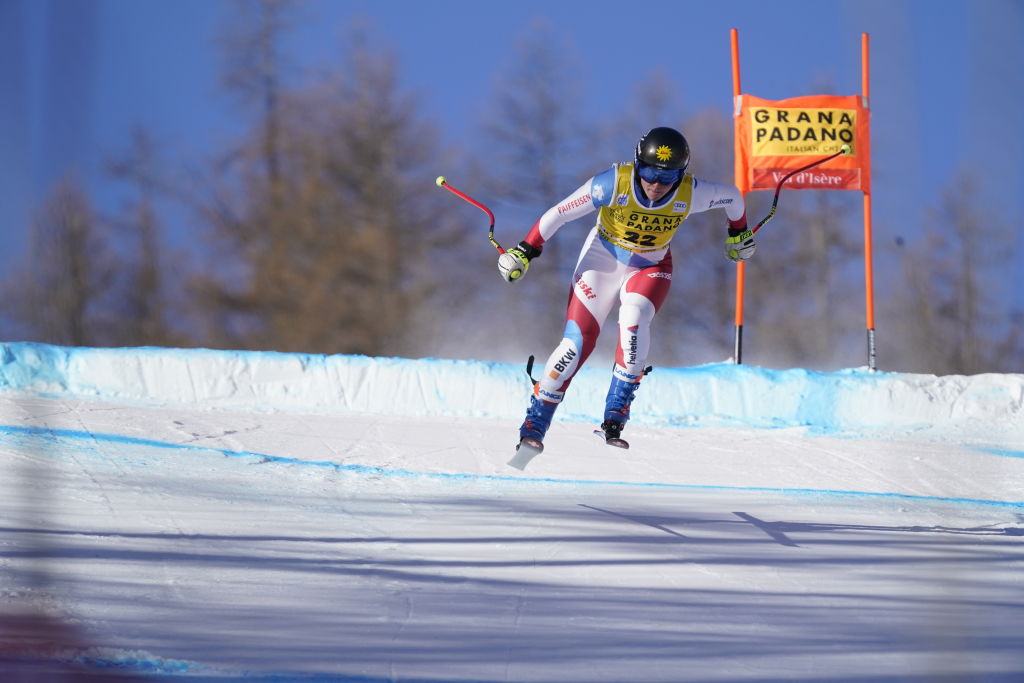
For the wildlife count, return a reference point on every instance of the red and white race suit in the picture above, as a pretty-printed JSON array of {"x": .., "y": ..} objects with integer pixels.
[{"x": 625, "y": 258}]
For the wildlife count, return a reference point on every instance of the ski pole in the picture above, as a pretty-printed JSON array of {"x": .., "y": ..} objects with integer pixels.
[
  {"x": 443, "y": 182},
  {"x": 845, "y": 149}
]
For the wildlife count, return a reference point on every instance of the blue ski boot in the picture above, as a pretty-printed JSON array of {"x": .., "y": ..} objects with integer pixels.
[
  {"x": 616, "y": 411},
  {"x": 532, "y": 431},
  {"x": 538, "y": 419}
]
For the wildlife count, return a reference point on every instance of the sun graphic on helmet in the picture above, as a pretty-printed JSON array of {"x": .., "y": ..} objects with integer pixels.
[{"x": 664, "y": 153}]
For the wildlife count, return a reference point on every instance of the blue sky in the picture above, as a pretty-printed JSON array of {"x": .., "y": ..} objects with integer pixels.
[{"x": 76, "y": 75}]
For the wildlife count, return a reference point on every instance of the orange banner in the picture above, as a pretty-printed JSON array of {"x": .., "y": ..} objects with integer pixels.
[{"x": 774, "y": 137}]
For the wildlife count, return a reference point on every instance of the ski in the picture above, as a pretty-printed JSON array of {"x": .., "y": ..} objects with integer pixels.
[
  {"x": 616, "y": 441},
  {"x": 527, "y": 450}
]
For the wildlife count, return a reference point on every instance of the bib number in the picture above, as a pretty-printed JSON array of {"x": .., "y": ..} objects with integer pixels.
[{"x": 640, "y": 240}]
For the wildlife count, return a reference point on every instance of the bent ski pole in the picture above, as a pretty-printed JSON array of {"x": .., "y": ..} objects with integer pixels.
[
  {"x": 845, "y": 149},
  {"x": 443, "y": 182}
]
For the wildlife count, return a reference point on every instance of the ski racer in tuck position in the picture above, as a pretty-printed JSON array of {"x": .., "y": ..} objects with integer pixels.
[{"x": 626, "y": 257}]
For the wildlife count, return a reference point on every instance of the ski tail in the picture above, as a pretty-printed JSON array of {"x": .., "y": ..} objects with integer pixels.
[{"x": 527, "y": 450}]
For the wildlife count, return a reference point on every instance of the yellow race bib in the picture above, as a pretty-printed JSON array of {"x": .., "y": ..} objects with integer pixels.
[{"x": 628, "y": 224}]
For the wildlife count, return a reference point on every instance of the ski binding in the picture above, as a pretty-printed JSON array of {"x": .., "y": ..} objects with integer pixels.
[{"x": 616, "y": 441}]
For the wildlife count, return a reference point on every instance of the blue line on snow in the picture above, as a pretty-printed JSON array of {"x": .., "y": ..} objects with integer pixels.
[
  {"x": 1002, "y": 452},
  {"x": 74, "y": 434}
]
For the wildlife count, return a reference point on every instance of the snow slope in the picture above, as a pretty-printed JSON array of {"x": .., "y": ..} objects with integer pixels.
[{"x": 216, "y": 515}]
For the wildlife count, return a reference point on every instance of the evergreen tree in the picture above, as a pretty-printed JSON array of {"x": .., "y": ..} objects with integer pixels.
[
  {"x": 327, "y": 233},
  {"x": 55, "y": 295}
]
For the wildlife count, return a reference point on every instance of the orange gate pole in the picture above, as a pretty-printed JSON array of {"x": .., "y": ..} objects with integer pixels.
[
  {"x": 741, "y": 266},
  {"x": 869, "y": 285}
]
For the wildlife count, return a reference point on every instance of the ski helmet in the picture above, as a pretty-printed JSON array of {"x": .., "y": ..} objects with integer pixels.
[{"x": 663, "y": 148}]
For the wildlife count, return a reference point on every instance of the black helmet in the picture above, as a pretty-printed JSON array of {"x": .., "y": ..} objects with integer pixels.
[{"x": 663, "y": 148}]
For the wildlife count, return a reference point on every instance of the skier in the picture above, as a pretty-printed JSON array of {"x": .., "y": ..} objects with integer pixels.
[{"x": 626, "y": 257}]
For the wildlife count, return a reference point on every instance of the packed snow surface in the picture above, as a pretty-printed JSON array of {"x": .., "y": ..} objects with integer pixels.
[{"x": 211, "y": 515}]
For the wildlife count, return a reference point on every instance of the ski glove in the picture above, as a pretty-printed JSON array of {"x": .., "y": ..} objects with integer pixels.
[
  {"x": 739, "y": 246},
  {"x": 513, "y": 264}
]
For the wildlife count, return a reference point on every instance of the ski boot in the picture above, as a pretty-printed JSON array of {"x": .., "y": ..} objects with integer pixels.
[
  {"x": 616, "y": 411},
  {"x": 532, "y": 431}
]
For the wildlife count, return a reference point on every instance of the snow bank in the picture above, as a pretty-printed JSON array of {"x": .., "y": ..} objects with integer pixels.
[{"x": 991, "y": 405}]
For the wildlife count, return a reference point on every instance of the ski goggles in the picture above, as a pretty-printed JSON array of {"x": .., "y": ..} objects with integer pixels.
[{"x": 653, "y": 174}]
